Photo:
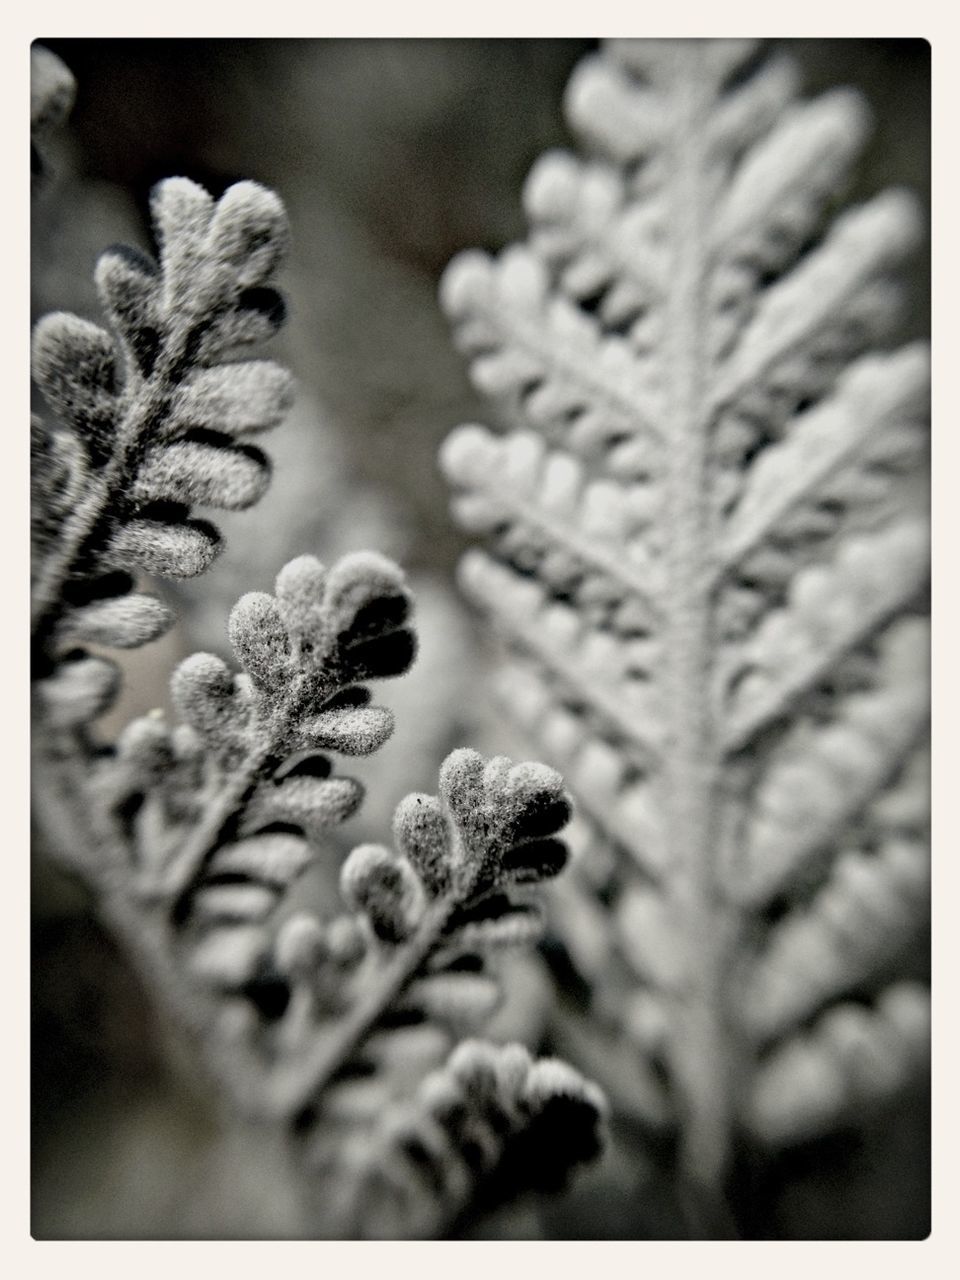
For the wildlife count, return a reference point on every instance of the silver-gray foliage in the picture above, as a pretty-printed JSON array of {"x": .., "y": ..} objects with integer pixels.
[
  {"x": 341, "y": 1031},
  {"x": 154, "y": 417},
  {"x": 707, "y": 560},
  {"x": 192, "y": 836}
]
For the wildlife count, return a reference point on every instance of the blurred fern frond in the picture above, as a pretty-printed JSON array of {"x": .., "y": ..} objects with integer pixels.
[{"x": 707, "y": 563}]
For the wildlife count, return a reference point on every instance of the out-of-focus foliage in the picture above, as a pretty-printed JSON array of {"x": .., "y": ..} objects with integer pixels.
[
  {"x": 708, "y": 563},
  {"x": 52, "y": 91}
]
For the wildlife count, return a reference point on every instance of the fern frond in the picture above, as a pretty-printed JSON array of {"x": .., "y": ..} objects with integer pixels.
[
  {"x": 543, "y": 359},
  {"x": 590, "y": 541},
  {"x": 828, "y": 302},
  {"x": 622, "y": 799},
  {"x": 194, "y": 836},
  {"x": 489, "y": 1123},
  {"x": 840, "y": 459},
  {"x": 709, "y": 572},
  {"x": 869, "y": 903},
  {"x": 250, "y": 750},
  {"x": 154, "y": 416},
  {"x": 831, "y": 609},
  {"x": 853, "y": 1059},
  {"x": 820, "y": 778},
  {"x": 457, "y": 887},
  {"x": 353, "y": 1014},
  {"x": 607, "y": 676}
]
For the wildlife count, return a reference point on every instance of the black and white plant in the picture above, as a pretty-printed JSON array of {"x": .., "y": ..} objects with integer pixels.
[
  {"x": 350, "y": 1034},
  {"x": 707, "y": 559}
]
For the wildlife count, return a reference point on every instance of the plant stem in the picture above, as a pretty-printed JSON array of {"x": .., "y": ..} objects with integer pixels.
[
  {"x": 147, "y": 402},
  {"x": 178, "y": 874},
  {"x": 701, "y": 1051},
  {"x": 228, "y": 800},
  {"x": 292, "y": 1084}
]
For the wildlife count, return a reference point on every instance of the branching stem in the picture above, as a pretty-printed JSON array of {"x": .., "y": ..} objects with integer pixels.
[
  {"x": 293, "y": 1084},
  {"x": 147, "y": 403}
]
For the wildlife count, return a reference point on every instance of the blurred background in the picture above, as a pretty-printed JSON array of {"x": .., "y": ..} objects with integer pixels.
[{"x": 390, "y": 155}]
